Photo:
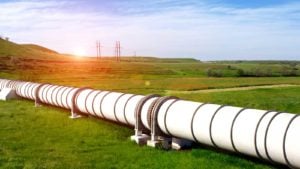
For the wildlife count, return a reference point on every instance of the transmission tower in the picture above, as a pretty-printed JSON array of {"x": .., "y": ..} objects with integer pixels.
[
  {"x": 98, "y": 49},
  {"x": 118, "y": 51}
]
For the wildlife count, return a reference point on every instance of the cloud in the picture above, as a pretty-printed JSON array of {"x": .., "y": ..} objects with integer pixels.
[{"x": 158, "y": 28}]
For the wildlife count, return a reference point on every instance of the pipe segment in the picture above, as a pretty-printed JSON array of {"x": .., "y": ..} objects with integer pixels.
[
  {"x": 139, "y": 127},
  {"x": 12, "y": 84},
  {"x": 93, "y": 103},
  {"x": 26, "y": 89},
  {"x": 4, "y": 83},
  {"x": 154, "y": 128},
  {"x": 192, "y": 122},
  {"x": 37, "y": 96},
  {"x": 115, "y": 105},
  {"x": 291, "y": 157},
  {"x": 146, "y": 110},
  {"x": 268, "y": 135}
]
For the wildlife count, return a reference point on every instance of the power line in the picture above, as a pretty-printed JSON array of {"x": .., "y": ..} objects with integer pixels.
[{"x": 117, "y": 50}]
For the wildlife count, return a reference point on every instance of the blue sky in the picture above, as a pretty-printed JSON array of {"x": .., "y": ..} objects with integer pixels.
[{"x": 203, "y": 29}]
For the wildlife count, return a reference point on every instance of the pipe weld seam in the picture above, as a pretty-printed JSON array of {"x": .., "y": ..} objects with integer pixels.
[
  {"x": 124, "y": 110},
  {"x": 266, "y": 136},
  {"x": 85, "y": 101},
  {"x": 149, "y": 111},
  {"x": 284, "y": 142},
  {"x": 115, "y": 106},
  {"x": 231, "y": 129},
  {"x": 192, "y": 122},
  {"x": 101, "y": 111},
  {"x": 93, "y": 102},
  {"x": 56, "y": 96},
  {"x": 25, "y": 90},
  {"x": 256, "y": 130},
  {"x": 20, "y": 89},
  {"x": 8, "y": 83},
  {"x": 51, "y": 97},
  {"x": 29, "y": 90},
  {"x": 15, "y": 83},
  {"x": 50, "y": 86},
  {"x": 166, "y": 114},
  {"x": 37, "y": 91},
  {"x": 43, "y": 93},
  {"x": 210, "y": 125},
  {"x": 75, "y": 98},
  {"x": 51, "y": 94},
  {"x": 153, "y": 125},
  {"x": 60, "y": 102},
  {"x": 69, "y": 92},
  {"x": 138, "y": 110}
]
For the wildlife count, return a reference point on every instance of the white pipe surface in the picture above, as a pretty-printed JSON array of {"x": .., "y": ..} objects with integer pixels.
[
  {"x": 4, "y": 83},
  {"x": 268, "y": 135}
]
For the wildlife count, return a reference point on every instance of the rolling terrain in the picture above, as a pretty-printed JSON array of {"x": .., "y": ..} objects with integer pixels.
[
  {"x": 46, "y": 138},
  {"x": 27, "y": 51}
]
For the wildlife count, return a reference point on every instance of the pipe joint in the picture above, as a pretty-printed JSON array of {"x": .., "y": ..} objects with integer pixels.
[
  {"x": 75, "y": 112},
  {"x": 38, "y": 101}
]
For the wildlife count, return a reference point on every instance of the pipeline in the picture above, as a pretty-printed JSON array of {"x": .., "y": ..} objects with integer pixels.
[{"x": 268, "y": 135}]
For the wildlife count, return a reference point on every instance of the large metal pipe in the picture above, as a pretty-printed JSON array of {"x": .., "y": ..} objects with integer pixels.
[
  {"x": 268, "y": 135},
  {"x": 4, "y": 83}
]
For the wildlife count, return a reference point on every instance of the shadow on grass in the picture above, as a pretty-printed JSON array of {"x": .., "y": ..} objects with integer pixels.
[{"x": 237, "y": 155}]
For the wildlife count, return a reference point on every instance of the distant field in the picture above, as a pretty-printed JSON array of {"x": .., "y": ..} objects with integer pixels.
[
  {"x": 46, "y": 138},
  {"x": 137, "y": 75}
]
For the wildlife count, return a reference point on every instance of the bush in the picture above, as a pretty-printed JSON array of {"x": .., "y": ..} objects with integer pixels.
[
  {"x": 225, "y": 72},
  {"x": 214, "y": 73},
  {"x": 230, "y": 71}
]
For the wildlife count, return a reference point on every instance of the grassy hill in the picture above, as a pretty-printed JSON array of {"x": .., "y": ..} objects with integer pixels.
[
  {"x": 39, "y": 48},
  {"x": 27, "y": 51}
]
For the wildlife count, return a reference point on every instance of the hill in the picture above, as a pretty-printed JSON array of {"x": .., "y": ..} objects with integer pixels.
[
  {"x": 27, "y": 51},
  {"x": 10, "y": 49},
  {"x": 39, "y": 48}
]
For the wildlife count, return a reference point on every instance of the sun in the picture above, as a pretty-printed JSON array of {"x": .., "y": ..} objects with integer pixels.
[{"x": 79, "y": 52}]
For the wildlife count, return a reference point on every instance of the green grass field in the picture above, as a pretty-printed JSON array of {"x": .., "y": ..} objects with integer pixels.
[{"x": 45, "y": 137}]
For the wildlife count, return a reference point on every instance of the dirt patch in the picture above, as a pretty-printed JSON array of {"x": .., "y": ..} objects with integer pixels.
[{"x": 168, "y": 92}]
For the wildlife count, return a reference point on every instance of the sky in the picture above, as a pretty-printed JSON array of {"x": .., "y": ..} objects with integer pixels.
[{"x": 202, "y": 29}]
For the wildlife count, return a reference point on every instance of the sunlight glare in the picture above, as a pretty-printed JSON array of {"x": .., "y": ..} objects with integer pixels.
[{"x": 79, "y": 52}]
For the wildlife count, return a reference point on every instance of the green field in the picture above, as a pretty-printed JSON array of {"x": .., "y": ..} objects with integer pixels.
[{"x": 45, "y": 137}]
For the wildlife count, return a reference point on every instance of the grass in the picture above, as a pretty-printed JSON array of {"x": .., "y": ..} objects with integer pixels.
[
  {"x": 131, "y": 76},
  {"x": 279, "y": 99},
  {"x": 14, "y": 50},
  {"x": 45, "y": 137}
]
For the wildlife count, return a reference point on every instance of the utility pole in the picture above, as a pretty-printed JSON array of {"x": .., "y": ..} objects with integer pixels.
[
  {"x": 98, "y": 49},
  {"x": 119, "y": 58},
  {"x": 99, "y": 52},
  {"x": 118, "y": 51}
]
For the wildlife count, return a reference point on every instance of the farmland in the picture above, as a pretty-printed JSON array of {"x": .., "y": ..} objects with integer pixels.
[{"x": 46, "y": 138}]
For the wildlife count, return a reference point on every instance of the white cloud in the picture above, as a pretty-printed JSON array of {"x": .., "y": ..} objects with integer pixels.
[{"x": 204, "y": 31}]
